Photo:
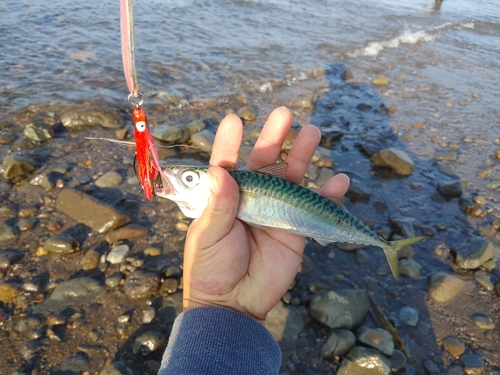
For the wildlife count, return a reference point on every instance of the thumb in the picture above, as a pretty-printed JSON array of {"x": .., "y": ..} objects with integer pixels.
[{"x": 219, "y": 214}]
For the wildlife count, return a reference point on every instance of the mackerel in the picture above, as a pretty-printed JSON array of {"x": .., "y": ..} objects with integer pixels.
[{"x": 267, "y": 199}]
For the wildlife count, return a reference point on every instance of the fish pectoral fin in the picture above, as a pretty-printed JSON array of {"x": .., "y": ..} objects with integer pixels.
[
  {"x": 277, "y": 169},
  {"x": 322, "y": 241}
]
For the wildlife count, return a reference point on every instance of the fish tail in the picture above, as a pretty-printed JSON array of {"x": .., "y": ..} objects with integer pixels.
[{"x": 391, "y": 252}]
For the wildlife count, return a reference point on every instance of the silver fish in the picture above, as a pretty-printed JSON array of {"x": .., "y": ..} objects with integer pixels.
[{"x": 267, "y": 199}]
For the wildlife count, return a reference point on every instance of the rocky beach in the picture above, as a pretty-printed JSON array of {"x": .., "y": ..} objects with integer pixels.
[{"x": 91, "y": 271}]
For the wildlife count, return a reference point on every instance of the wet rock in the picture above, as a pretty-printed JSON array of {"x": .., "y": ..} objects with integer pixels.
[
  {"x": 148, "y": 343},
  {"x": 338, "y": 344},
  {"x": 17, "y": 166},
  {"x": 358, "y": 190},
  {"x": 117, "y": 254},
  {"x": 29, "y": 325},
  {"x": 152, "y": 251},
  {"x": 473, "y": 365},
  {"x": 395, "y": 159},
  {"x": 171, "y": 133},
  {"x": 70, "y": 293},
  {"x": 453, "y": 346},
  {"x": 404, "y": 225},
  {"x": 77, "y": 364},
  {"x": 362, "y": 257},
  {"x": 408, "y": 315},
  {"x": 173, "y": 271},
  {"x": 148, "y": 315},
  {"x": 483, "y": 279},
  {"x": 26, "y": 224},
  {"x": 43, "y": 181},
  {"x": 363, "y": 107},
  {"x": 109, "y": 180},
  {"x": 455, "y": 370},
  {"x": 114, "y": 280},
  {"x": 450, "y": 189},
  {"x": 170, "y": 286},
  {"x": 122, "y": 368},
  {"x": 376, "y": 338},
  {"x": 247, "y": 113},
  {"x": 127, "y": 232},
  {"x": 324, "y": 176},
  {"x": 364, "y": 361},
  {"x": 204, "y": 140},
  {"x": 8, "y": 292},
  {"x": 141, "y": 284},
  {"x": 398, "y": 360},
  {"x": 89, "y": 211},
  {"x": 445, "y": 156},
  {"x": 285, "y": 323},
  {"x": 61, "y": 244},
  {"x": 473, "y": 254},
  {"x": 443, "y": 287},
  {"x": 103, "y": 117},
  {"x": 38, "y": 132},
  {"x": 344, "y": 308},
  {"x": 410, "y": 268},
  {"x": 431, "y": 368},
  {"x": 90, "y": 260},
  {"x": 7, "y": 233},
  {"x": 9, "y": 257},
  {"x": 380, "y": 81},
  {"x": 483, "y": 322}
]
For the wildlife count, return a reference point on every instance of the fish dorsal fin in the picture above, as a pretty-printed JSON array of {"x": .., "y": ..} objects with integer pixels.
[
  {"x": 338, "y": 202},
  {"x": 277, "y": 169}
]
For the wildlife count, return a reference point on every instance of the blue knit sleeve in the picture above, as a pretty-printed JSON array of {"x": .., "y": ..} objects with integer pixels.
[{"x": 218, "y": 341}]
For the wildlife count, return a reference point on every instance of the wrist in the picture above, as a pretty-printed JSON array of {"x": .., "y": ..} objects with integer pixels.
[{"x": 189, "y": 304}]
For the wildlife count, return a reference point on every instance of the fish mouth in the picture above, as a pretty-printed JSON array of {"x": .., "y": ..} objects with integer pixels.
[{"x": 161, "y": 185}]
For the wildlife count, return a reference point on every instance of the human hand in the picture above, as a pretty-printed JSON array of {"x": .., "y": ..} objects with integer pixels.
[{"x": 228, "y": 263}]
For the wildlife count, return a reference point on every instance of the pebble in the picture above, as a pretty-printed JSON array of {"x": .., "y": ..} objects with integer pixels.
[
  {"x": 398, "y": 360},
  {"x": 408, "y": 315},
  {"x": 204, "y": 140},
  {"x": 104, "y": 117},
  {"x": 121, "y": 368},
  {"x": 127, "y": 232},
  {"x": 152, "y": 251},
  {"x": 109, "y": 180},
  {"x": 181, "y": 226},
  {"x": 61, "y": 244},
  {"x": 285, "y": 323},
  {"x": 358, "y": 190},
  {"x": 450, "y": 189},
  {"x": 362, "y": 257},
  {"x": 26, "y": 224},
  {"x": 404, "y": 225},
  {"x": 9, "y": 257},
  {"x": 376, "y": 338},
  {"x": 338, "y": 344},
  {"x": 324, "y": 176},
  {"x": 90, "y": 260},
  {"x": 170, "y": 286},
  {"x": 380, "y": 81},
  {"x": 87, "y": 210},
  {"x": 445, "y": 156},
  {"x": 443, "y": 287},
  {"x": 43, "y": 181},
  {"x": 484, "y": 280},
  {"x": 247, "y": 113},
  {"x": 173, "y": 271},
  {"x": 70, "y": 293},
  {"x": 117, "y": 254},
  {"x": 431, "y": 368},
  {"x": 114, "y": 280},
  {"x": 148, "y": 315},
  {"x": 473, "y": 365},
  {"x": 410, "y": 268},
  {"x": 360, "y": 360},
  {"x": 77, "y": 364},
  {"x": 7, "y": 233},
  {"x": 141, "y": 284},
  {"x": 454, "y": 346},
  {"x": 473, "y": 253},
  {"x": 171, "y": 133},
  {"x": 17, "y": 166},
  {"x": 8, "y": 292},
  {"x": 38, "y": 132},
  {"x": 396, "y": 159},
  {"x": 148, "y": 343},
  {"x": 483, "y": 322},
  {"x": 343, "y": 308},
  {"x": 479, "y": 200}
]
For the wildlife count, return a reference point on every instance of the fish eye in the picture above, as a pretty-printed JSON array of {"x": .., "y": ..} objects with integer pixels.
[
  {"x": 190, "y": 178},
  {"x": 140, "y": 126}
]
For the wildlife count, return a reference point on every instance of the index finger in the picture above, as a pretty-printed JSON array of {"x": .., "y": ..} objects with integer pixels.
[{"x": 227, "y": 142}]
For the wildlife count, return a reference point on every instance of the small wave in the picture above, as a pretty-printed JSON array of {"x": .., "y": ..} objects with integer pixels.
[{"x": 407, "y": 37}]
